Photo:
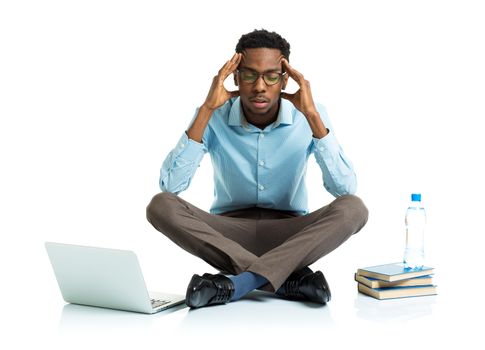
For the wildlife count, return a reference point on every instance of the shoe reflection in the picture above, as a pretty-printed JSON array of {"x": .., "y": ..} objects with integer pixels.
[{"x": 258, "y": 310}]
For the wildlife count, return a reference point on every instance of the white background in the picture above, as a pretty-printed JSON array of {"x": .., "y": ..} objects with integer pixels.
[{"x": 94, "y": 94}]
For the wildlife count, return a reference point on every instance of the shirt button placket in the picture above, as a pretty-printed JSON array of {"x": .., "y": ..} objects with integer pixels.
[{"x": 260, "y": 161}]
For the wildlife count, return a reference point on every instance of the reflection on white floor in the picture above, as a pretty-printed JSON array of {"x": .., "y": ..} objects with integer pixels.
[
  {"x": 259, "y": 309},
  {"x": 349, "y": 320},
  {"x": 87, "y": 318},
  {"x": 403, "y": 309}
]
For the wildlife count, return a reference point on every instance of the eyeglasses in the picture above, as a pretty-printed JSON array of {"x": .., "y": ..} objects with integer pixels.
[{"x": 250, "y": 76}]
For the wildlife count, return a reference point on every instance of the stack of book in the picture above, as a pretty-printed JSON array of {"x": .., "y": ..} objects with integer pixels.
[{"x": 395, "y": 281}]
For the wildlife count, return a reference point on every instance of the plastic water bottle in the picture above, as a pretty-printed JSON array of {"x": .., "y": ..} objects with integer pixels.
[{"x": 415, "y": 223}]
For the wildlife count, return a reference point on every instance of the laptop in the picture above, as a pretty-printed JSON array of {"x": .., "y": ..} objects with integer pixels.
[{"x": 104, "y": 277}]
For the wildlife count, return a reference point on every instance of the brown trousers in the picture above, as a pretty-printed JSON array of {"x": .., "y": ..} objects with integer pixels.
[{"x": 271, "y": 243}]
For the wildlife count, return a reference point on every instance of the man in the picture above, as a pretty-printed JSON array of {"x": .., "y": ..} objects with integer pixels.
[{"x": 259, "y": 233}]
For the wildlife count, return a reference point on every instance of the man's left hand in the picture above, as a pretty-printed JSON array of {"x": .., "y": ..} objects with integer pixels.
[{"x": 302, "y": 99}]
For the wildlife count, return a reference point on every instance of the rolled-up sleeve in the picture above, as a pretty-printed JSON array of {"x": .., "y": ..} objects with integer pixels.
[{"x": 337, "y": 171}]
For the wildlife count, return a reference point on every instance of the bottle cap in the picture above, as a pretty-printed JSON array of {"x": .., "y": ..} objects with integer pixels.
[{"x": 416, "y": 197}]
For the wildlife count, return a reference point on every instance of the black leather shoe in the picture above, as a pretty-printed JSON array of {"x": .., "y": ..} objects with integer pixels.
[
  {"x": 209, "y": 290},
  {"x": 307, "y": 286}
]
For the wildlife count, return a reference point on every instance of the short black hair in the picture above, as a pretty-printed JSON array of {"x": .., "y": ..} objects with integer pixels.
[{"x": 262, "y": 38}]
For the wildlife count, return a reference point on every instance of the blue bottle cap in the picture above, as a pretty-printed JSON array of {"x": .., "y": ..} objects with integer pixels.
[{"x": 416, "y": 197}]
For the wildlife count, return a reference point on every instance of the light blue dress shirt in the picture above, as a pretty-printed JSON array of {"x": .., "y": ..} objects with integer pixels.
[{"x": 262, "y": 168}]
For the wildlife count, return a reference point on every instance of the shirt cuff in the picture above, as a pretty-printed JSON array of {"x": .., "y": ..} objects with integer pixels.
[
  {"x": 327, "y": 144},
  {"x": 189, "y": 149}
]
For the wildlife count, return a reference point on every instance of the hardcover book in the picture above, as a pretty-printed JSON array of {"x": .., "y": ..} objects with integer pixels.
[
  {"x": 375, "y": 283},
  {"x": 393, "y": 272},
  {"x": 397, "y": 292}
]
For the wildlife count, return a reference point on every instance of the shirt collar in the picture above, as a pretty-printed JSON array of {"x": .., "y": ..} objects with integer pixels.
[{"x": 236, "y": 115}]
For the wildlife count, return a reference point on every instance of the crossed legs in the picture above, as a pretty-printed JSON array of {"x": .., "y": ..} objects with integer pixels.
[{"x": 269, "y": 243}]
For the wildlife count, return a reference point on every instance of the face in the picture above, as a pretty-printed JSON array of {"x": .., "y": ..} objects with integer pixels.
[{"x": 260, "y": 100}]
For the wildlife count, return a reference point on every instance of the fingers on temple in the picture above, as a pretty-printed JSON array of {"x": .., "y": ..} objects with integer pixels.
[
  {"x": 230, "y": 65},
  {"x": 297, "y": 76}
]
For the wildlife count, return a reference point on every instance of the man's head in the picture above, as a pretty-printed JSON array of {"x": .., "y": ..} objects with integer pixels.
[{"x": 262, "y": 53}]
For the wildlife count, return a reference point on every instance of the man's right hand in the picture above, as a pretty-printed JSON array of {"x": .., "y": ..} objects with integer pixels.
[{"x": 218, "y": 95}]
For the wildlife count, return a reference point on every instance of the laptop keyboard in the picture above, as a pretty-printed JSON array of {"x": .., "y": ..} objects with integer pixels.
[{"x": 158, "y": 302}]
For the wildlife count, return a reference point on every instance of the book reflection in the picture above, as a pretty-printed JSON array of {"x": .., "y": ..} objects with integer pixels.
[{"x": 401, "y": 309}]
